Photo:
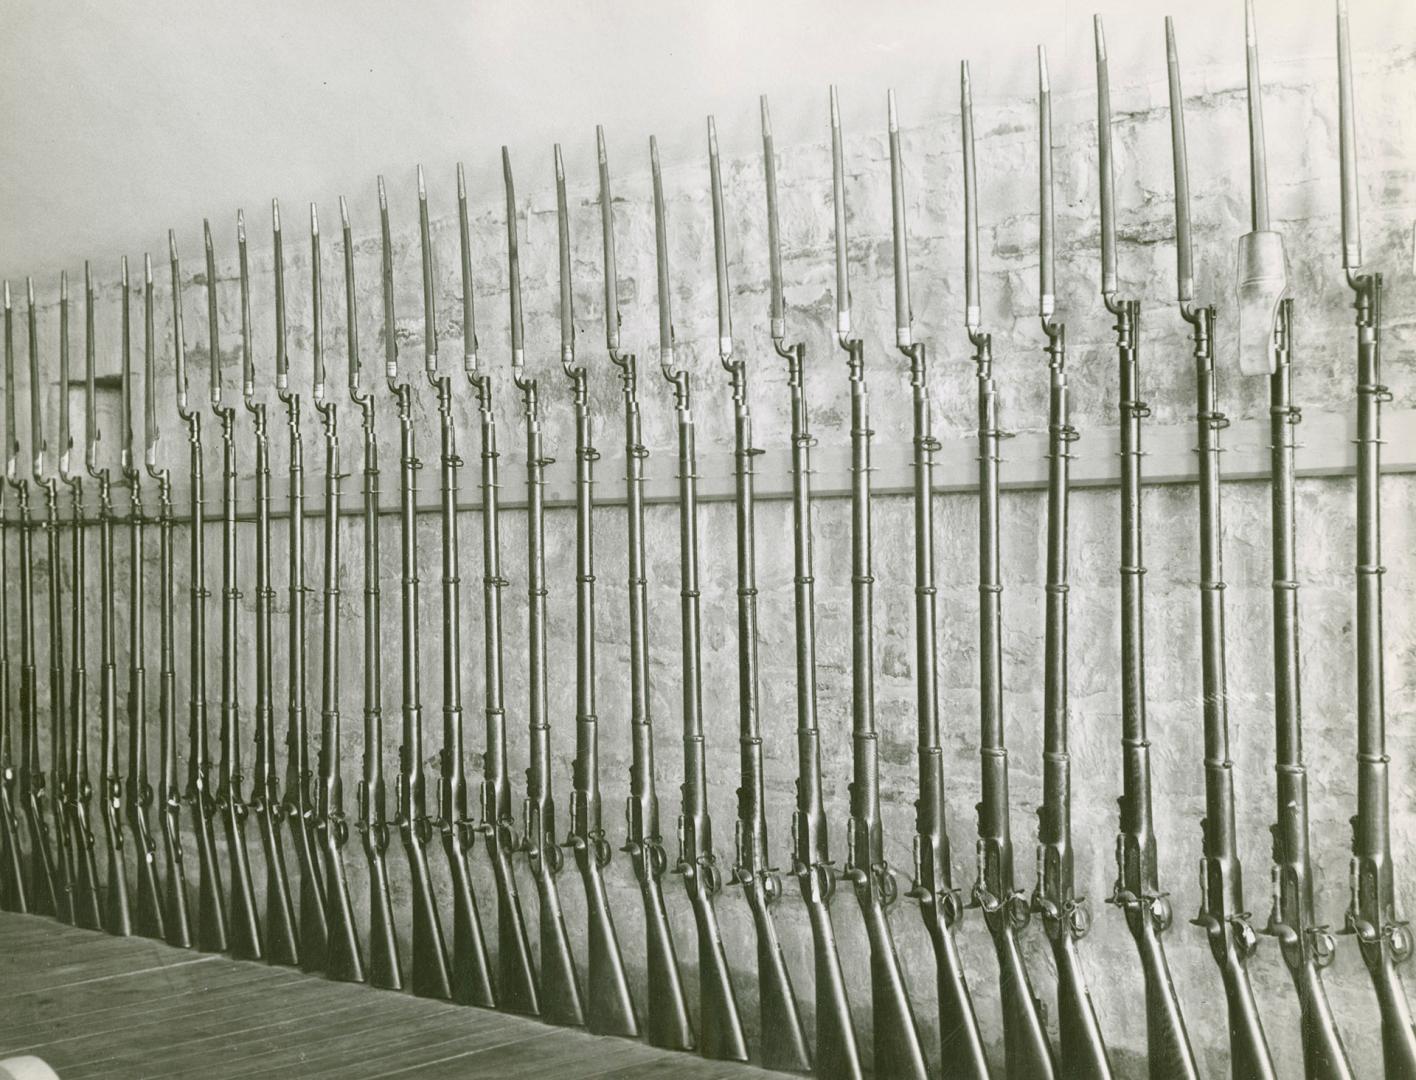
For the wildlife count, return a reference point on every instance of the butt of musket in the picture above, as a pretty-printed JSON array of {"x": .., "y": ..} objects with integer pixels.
[
  {"x": 385, "y": 969},
  {"x": 1324, "y": 1055},
  {"x": 431, "y": 977},
  {"x": 837, "y": 1052},
  {"x": 720, "y": 1032},
  {"x": 1398, "y": 1031},
  {"x": 344, "y": 961},
  {"x": 117, "y": 910},
  {"x": 471, "y": 967},
  {"x": 14, "y": 893},
  {"x": 1028, "y": 1052},
  {"x": 148, "y": 910},
  {"x": 1083, "y": 1051},
  {"x": 1248, "y": 1048},
  {"x": 669, "y": 1025},
  {"x": 784, "y": 1046},
  {"x": 560, "y": 982},
  {"x": 1167, "y": 1041},
  {"x": 176, "y": 912},
  {"x": 314, "y": 929},
  {"x": 211, "y": 909},
  {"x": 44, "y": 898},
  {"x": 611, "y": 1005},
  {"x": 87, "y": 913},
  {"x": 516, "y": 977},
  {"x": 899, "y": 1052},
  {"x": 244, "y": 921},
  {"x": 960, "y": 1041},
  {"x": 282, "y": 945}
]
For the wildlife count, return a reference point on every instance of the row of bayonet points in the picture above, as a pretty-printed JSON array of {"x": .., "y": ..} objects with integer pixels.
[{"x": 56, "y": 871}]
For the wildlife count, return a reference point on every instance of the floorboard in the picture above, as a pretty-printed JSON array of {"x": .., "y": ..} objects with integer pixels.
[{"x": 97, "y": 1006}]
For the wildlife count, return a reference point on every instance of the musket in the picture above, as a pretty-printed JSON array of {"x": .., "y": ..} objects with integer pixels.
[
  {"x": 471, "y": 968},
  {"x": 175, "y": 909},
  {"x": 42, "y": 889},
  {"x": 1383, "y": 936},
  {"x": 78, "y": 783},
  {"x": 244, "y": 924},
  {"x": 281, "y": 935},
  {"x": 610, "y": 1004},
  {"x": 298, "y": 803},
  {"x": 117, "y": 913},
  {"x": 211, "y": 905},
  {"x": 385, "y": 971},
  {"x": 1137, "y": 893},
  {"x": 59, "y": 715},
  {"x": 836, "y": 1053},
  {"x": 669, "y": 1023},
  {"x": 941, "y": 904},
  {"x": 1222, "y": 914},
  {"x": 1006, "y": 909},
  {"x": 899, "y": 1051},
  {"x": 783, "y": 1035},
  {"x": 1066, "y": 917},
  {"x": 517, "y": 980},
  {"x": 1306, "y": 945},
  {"x": 431, "y": 974},
  {"x": 149, "y": 918},
  {"x": 560, "y": 982},
  {"x": 343, "y": 960},
  {"x": 719, "y": 1020},
  {"x": 14, "y": 890}
]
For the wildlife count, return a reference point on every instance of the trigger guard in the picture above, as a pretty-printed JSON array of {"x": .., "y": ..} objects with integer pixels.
[
  {"x": 1161, "y": 913},
  {"x": 554, "y": 859},
  {"x": 710, "y": 876},
  {"x": 1400, "y": 937},
  {"x": 1324, "y": 947},
  {"x": 603, "y": 852},
  {"x": 889, "y": 887}
]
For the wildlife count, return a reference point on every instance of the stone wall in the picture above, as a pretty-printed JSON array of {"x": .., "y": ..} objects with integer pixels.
[{"x": 1301, "y": 106}]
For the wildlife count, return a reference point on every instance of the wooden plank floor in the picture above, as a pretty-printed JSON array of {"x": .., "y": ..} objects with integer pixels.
[{"x": 96, "y": 1006}]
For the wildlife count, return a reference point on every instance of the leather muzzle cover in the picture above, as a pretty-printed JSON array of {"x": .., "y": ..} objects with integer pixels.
[{"x": 1261, "y": 283}]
